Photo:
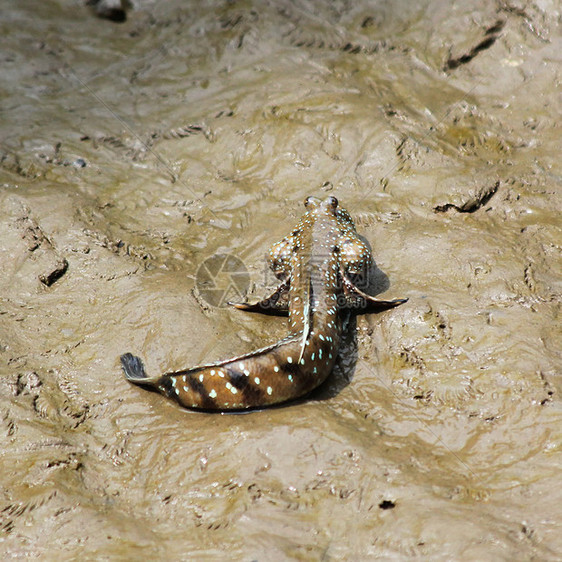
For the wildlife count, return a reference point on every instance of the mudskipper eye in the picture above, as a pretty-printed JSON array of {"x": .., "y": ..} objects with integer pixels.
[
  {"x": 308, "y": 200},
  {"x": 333, "y": 202}
]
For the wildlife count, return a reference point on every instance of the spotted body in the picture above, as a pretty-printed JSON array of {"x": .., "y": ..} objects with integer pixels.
[{"x": 317, "y": 264}]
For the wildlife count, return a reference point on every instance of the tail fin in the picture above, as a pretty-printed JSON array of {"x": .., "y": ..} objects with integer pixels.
[{"x": 134, "y": 368}]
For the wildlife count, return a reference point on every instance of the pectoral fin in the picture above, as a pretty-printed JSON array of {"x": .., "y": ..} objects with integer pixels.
[
  {"x": 277, "y": 303},
  {"x": 362, "y": 302}
]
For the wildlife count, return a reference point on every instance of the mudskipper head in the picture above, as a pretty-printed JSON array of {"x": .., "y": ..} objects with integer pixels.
[{"x": 328, "y": 205}]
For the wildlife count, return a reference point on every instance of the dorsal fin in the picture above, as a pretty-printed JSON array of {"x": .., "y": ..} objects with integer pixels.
[{"x": 307, "y": 296}]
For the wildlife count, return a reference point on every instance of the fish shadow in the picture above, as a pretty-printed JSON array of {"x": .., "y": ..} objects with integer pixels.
[
  {"x": 346, "y": 362},
  {"x": 344, "y": 369}
]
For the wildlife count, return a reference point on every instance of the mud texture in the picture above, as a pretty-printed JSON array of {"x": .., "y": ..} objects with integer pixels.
[{"x": 130, "y": 152}]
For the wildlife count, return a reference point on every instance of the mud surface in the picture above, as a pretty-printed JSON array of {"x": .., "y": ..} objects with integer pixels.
[{"x": 132, "y": 151}]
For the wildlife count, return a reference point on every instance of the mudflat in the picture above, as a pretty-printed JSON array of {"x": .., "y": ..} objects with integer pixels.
[{"x": 131, "y": 152}]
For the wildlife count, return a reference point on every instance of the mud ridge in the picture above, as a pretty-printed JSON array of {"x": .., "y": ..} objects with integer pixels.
[
  {"x": 492, "y": 34},
  {"x": 472, "y": 203}
]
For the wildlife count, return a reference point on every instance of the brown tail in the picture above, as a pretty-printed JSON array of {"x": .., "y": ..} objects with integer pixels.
[{"x": 267, "y": 376}]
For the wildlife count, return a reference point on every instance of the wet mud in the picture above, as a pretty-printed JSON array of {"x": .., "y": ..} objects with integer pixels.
[{"x": 134, "y": 148}]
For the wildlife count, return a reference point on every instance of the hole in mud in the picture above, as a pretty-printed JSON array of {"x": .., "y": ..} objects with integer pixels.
[{"x": 387, "y": 504}]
